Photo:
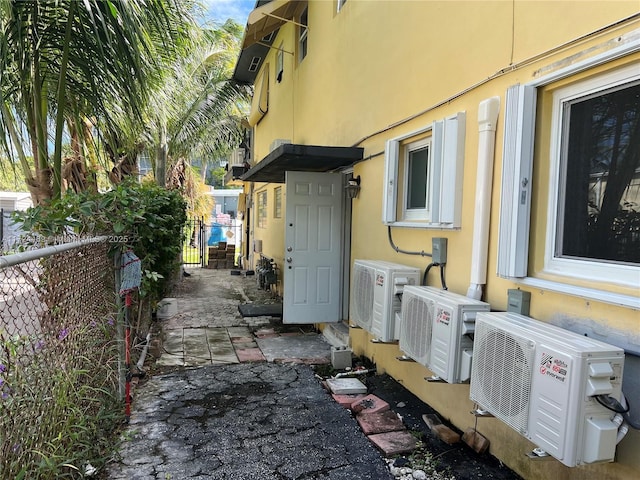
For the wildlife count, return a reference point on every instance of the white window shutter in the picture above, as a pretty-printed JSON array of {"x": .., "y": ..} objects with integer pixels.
[
  {"x": 517, "y": 167},
  {"x": 435, "y": 170},
  {"x": 452, "y": 170},
  {"x": 390, "y": 188}
]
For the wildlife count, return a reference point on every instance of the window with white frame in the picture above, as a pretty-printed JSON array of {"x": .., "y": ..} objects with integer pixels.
[
  {"x": 596, "y": 157},
  {"x": 280, "y": 63},
  {"x": 415, "y": 169},
  {"x": 593, "y": 215},
  {"x": 277, "y": 202},
  {"x": 303, "y": 31},
  {"x": 423, "y": 176},
  {"x": 262, "y": 209}
]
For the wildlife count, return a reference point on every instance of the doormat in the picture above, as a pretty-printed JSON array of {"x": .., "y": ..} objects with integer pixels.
[{"x": 254, "y": 310}]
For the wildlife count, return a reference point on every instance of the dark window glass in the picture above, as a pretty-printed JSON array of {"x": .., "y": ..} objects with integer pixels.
[
  {"x": 418, "y": 175},
  {"x": 599, "y": 214}
]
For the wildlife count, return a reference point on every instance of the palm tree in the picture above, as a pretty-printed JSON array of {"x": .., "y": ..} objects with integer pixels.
[
  {"x": 197, "y": 112},
  {"x": 78, "y": 62}
]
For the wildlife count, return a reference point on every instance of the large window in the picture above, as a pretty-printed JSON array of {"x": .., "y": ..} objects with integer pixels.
[
  {"x": 598, "y": 199},
  {"x": 592, "y": 217},
  {"x": 423, "y": 176}
]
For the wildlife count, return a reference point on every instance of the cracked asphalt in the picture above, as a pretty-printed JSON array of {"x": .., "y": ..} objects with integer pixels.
[
  {"x": 237, "y": 420},
  {"x": 261, "y": 421}
]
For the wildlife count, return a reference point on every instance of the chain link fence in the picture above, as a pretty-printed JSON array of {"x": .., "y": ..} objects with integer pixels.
[{"x": 60, "y": 369}]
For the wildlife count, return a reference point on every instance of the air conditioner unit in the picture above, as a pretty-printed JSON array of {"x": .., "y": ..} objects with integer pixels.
[
  {"x": 375, "y": 295},
  {"x": 278, "y": 142},
  {"x": 237, "y": 157},
  {"x": 435, "y": 330},
  {"x": 544, "y": 381}
]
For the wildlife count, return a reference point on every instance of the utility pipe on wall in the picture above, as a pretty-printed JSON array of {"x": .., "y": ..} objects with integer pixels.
[{"x": 487, "y": 118}]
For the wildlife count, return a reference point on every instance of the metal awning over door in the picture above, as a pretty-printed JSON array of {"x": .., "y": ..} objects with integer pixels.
[
  {"x": 270, "y": 17},
  {"x": 301, "y": 158}
]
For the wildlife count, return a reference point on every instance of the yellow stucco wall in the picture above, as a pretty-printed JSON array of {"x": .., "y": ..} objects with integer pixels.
[
  {"x": 271, "y": 233},
  {"x": 378, "y": 70}
]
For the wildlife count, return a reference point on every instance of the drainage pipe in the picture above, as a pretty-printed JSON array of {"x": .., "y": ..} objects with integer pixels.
[
  {"x": 354, "y": 372},
  {"x": 487, "y": 118}
]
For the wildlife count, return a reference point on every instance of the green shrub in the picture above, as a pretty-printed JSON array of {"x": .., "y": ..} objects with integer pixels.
[
  {"x": 141, "y": 216},
  {"x": 59, "y": 404}
]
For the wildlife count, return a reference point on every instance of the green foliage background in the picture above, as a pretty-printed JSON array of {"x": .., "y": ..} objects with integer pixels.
[
  {"x": 143, "y": 217},
  {"x": 11, "y": 179}
]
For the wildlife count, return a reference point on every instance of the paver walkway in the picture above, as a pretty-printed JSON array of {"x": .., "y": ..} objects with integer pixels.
[{"x": 209, "y": 329}]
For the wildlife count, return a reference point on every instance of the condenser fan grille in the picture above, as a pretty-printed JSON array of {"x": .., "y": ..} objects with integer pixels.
[
  {"x": 362, "y": 296},
  {"x": 501, "y": 374},
  {"x": 417, "y": 322}
]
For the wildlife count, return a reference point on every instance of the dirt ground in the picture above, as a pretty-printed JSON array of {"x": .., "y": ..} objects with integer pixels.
[{"x": 458, "y": 460}]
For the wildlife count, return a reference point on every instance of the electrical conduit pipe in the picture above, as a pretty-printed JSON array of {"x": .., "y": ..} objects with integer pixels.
[{"x": 487, "y": 117}]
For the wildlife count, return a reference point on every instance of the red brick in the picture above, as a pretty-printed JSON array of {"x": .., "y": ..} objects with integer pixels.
[
  {"x": 248, "y": 355},
  {"x": 431, "y": 419},
  {"x": 475, "y": 440},
  {"x": 440, "y": 430},
  {"x": 265, "y": 331},
  {"x": 241, "y": 339},
  {"x": 266, "y": 335},
  {"x": 347, "y": 400},
  {"x": 380, "y": 422},
  {"x": 394, "y": 443},
  {"x": 316, "y": 361},
  {"x": 445, "y": 434},
  {"x": 286, "y": 361},
  {"x": 369, "y": 404}
]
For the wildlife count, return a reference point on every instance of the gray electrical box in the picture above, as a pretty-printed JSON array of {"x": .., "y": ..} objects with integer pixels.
[
  {"x": 518, "y": 301},
  {"x": 439, "y": 250}
]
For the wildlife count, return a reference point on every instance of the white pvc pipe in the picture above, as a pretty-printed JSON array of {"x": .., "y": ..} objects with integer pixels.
[
  {"x": 143, "y": 355},
  {"x": 622, "y": 432},
  {"x": 487, "y": 118}
]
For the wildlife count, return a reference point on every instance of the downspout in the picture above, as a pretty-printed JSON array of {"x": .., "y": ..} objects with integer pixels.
[{"x": 487, "y": 118}]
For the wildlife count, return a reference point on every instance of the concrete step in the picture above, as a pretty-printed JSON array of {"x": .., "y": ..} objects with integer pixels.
[{"x": 337, "y": 334}]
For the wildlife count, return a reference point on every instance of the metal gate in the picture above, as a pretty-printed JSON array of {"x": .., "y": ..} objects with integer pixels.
[
  {"x": 194, "y": 243},
  {"x": 199, "y": 236}
]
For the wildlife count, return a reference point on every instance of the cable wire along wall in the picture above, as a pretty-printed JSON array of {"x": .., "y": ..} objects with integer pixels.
[{"x": 58, "y": 358}]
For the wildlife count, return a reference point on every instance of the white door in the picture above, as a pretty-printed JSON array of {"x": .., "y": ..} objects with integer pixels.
[{"x": 313, "y": 233}]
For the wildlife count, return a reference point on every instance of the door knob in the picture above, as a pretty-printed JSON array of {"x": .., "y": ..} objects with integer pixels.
[
  {"x": 289, "y": 259},
  {"x": 289, "y": 249}
]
